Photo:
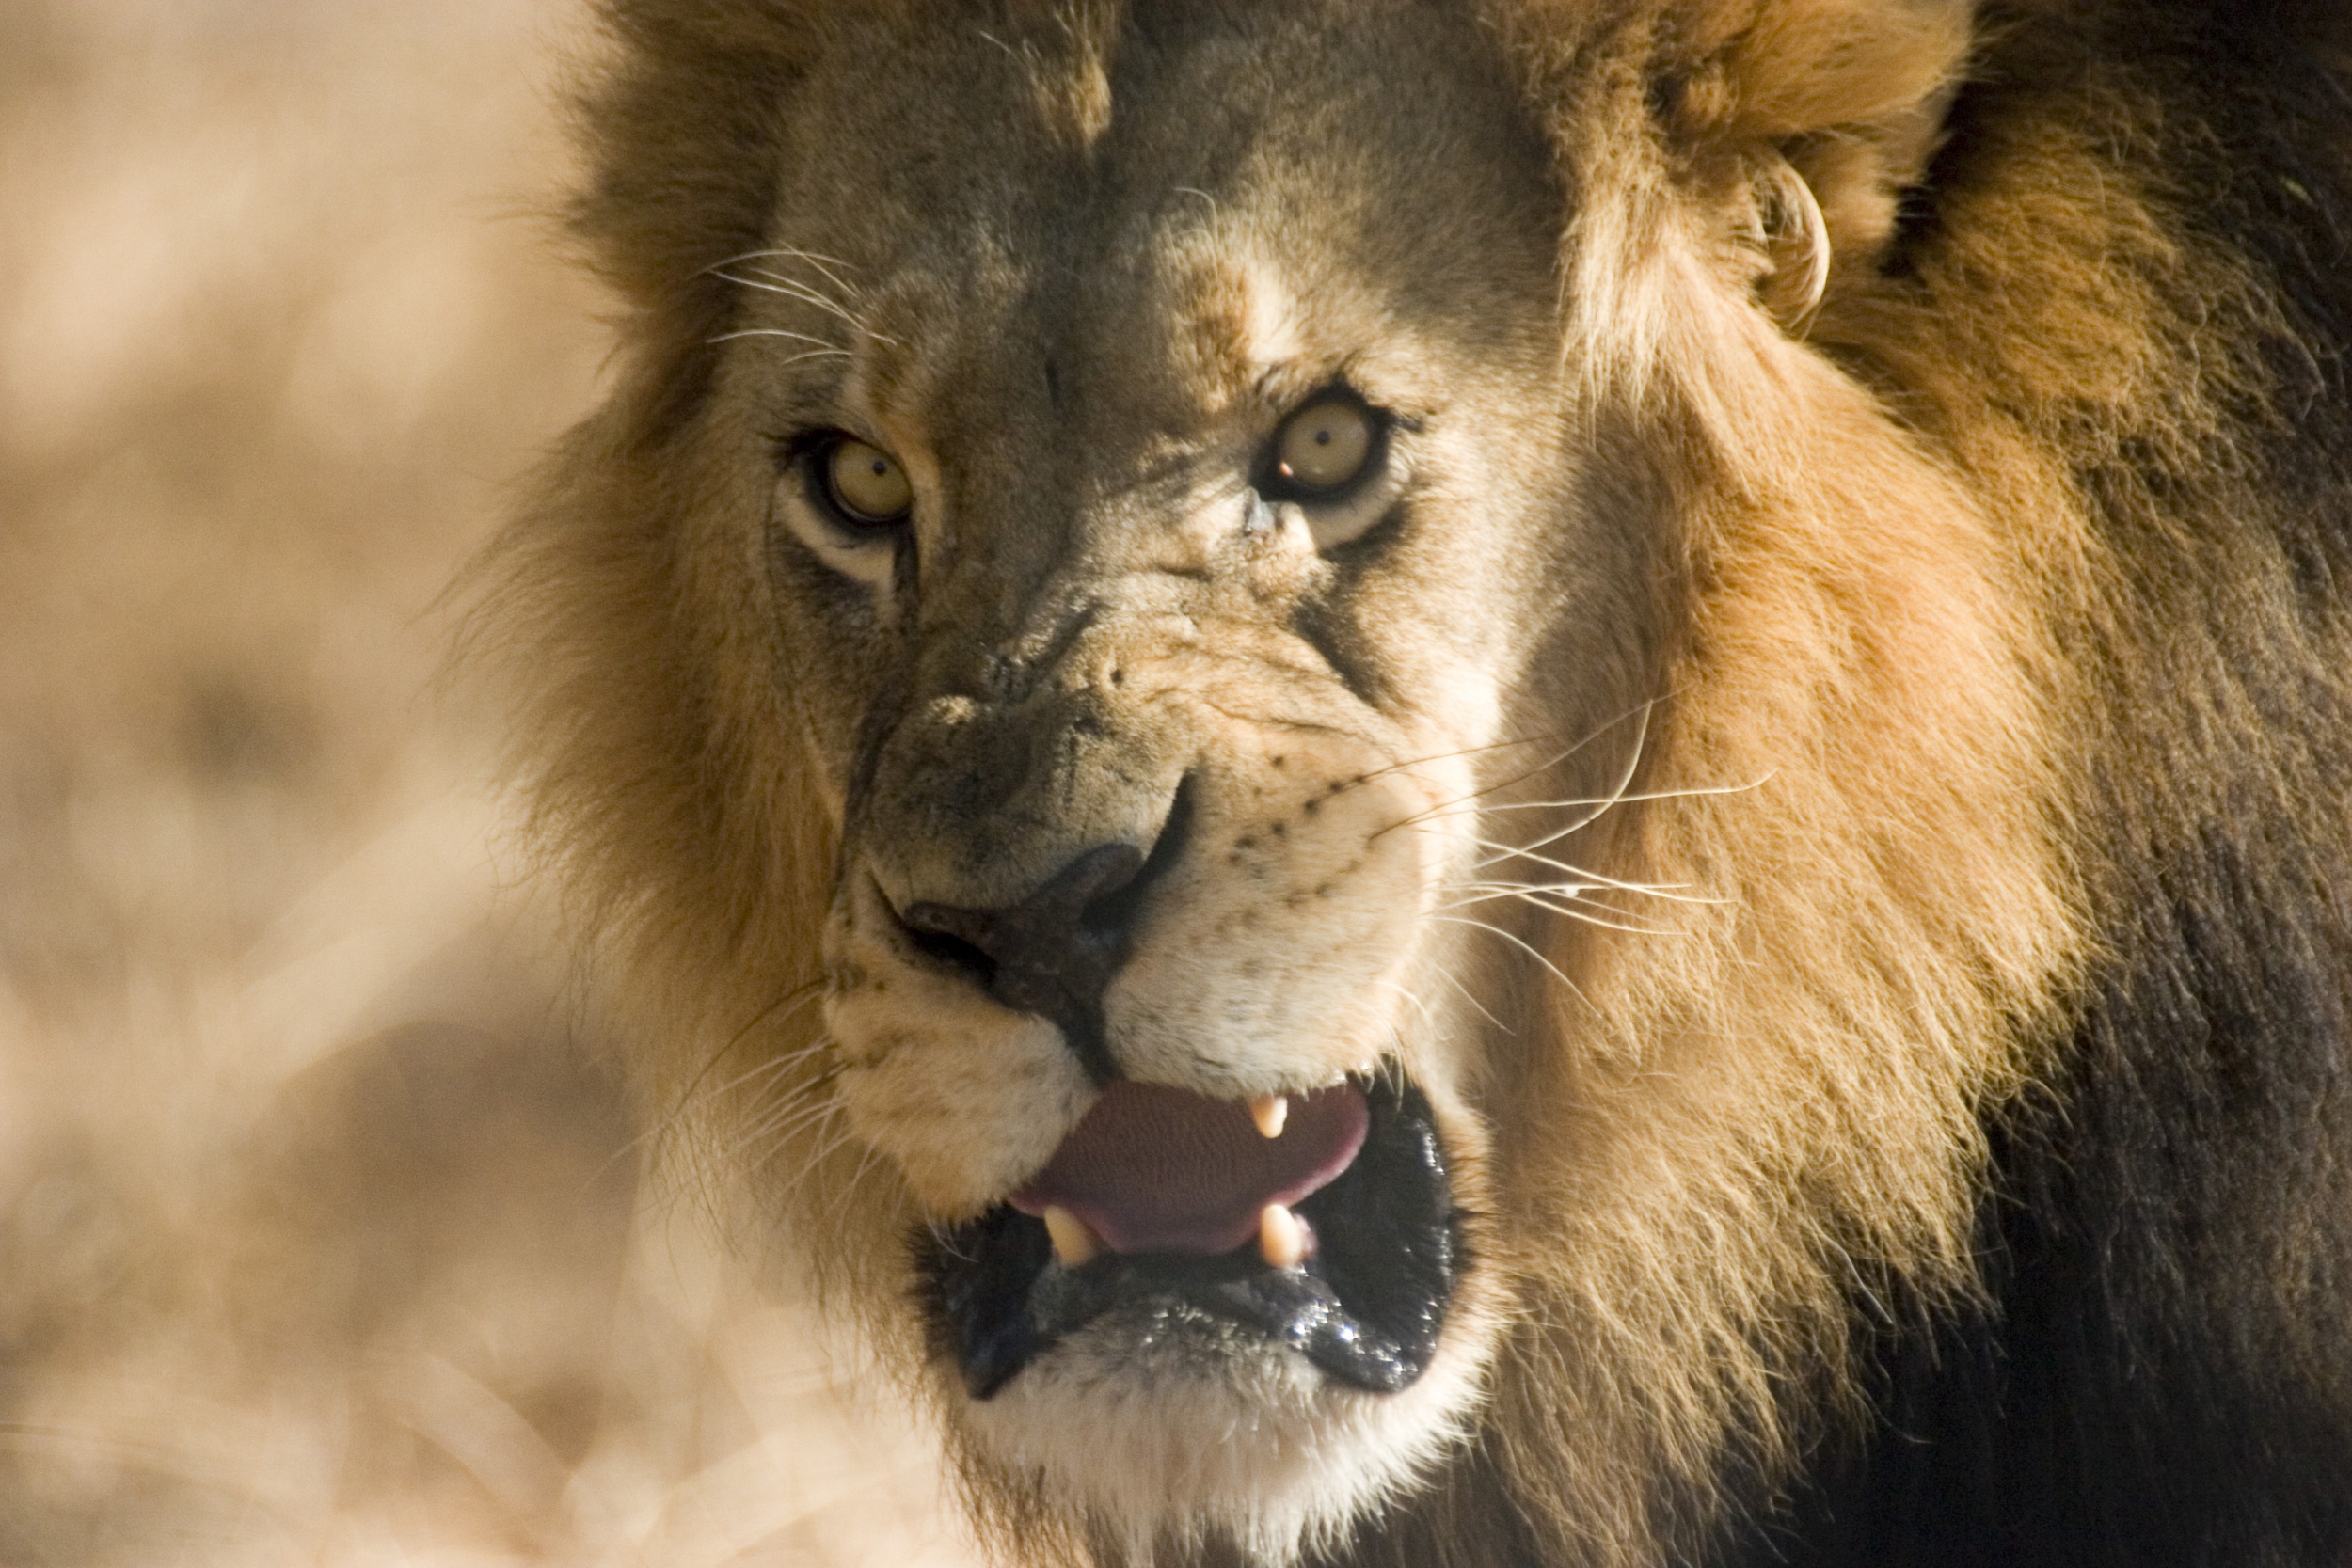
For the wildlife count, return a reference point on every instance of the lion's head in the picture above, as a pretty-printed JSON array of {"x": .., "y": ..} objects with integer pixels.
[{"x": 1279, "y": 750}]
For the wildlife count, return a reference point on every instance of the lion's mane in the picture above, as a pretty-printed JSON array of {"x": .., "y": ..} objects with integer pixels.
[{"x": 1975, "y": 1166}]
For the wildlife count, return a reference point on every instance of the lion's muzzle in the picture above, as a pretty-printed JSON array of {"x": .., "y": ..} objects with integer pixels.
[{"x": 1099, "y": 904}]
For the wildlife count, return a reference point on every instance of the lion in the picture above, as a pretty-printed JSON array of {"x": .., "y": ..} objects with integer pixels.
[{"x": 1492, "y": 782}]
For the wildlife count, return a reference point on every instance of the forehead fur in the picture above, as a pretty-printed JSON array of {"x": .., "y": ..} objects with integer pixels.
[
  {"x": 688, "y": 128},
  {"x": 994, "y": 255}
]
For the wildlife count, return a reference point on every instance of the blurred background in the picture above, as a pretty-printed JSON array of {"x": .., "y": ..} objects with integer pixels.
[{"x": 322, "y": 1236}]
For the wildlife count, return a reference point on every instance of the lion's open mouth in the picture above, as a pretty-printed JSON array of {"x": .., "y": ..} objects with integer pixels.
[{"x": 1335, "y": 1235}]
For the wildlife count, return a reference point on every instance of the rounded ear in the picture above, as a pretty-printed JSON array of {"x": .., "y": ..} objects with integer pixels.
[{"x": 1822, "y": 112}]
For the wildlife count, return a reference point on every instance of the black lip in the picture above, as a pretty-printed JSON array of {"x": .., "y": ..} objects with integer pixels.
[{"x": 1366, "y": 1309}]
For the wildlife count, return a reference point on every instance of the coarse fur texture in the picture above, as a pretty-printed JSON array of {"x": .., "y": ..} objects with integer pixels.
[{"x": 1821, "y": 748}]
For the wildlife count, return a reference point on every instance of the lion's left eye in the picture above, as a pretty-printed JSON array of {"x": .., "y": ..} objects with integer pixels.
[{"x": 1326, "y": 446}]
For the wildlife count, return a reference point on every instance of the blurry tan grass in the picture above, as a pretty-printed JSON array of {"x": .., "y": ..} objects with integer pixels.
[{"x": 319, "y": 1243}]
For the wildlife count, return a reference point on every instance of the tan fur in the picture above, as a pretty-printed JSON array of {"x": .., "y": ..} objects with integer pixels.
[{"x": 1685, "y": 1147}]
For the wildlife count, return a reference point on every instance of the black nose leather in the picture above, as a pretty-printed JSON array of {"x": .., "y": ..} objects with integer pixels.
[{"x": 1054, "y": 953}]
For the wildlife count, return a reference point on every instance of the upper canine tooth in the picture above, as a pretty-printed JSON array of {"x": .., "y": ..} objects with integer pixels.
[
  {"x": 1281, "y": 1238},
  {"x": 1073, "y": 1242},
  {"x": 1270, "y": 1111}
]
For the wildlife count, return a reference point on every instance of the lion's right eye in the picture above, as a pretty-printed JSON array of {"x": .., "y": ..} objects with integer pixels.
[
  {"x": 848, "y": 501},
  {"x": 865, "y": 485}
]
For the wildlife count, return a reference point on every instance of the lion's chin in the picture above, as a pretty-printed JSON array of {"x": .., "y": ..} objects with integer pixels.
[
  {"x": 1159, "y": 1426},
  {"x": 1174, "y": 1390}
]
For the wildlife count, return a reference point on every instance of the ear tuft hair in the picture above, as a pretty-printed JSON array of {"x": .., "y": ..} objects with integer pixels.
[
  {"x": 1771, "y": 70},
  {"x": 1846, "y": 98},
  {"x": 1796, "y": 243}
]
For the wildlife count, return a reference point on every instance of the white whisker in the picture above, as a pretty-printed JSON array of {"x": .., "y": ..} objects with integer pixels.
[
  {"x": 792, "y": 253},
  {"x": 1470, "y": 801},
  {"x": 822, "y": 346},
  {"x": 1673, "y": 892},
  {"x": 768, "y": 1068},
  {"x": 775, "y": 283},
  {"x": 1562, "y": 906},
  {"x": 1694, "y": 792},
  {"x": 696, "y": 1093},
  {"x": 1523, "y": 945},
  {"x": 1470, "y": 996},
  {"x": 836, "y": 1138},
  {"x": 788, "y": 252},
  {"x": 857, "y": 1176},
  {"x": 1418, "y": 1005},
  {"x": 783, "y": 1124}
]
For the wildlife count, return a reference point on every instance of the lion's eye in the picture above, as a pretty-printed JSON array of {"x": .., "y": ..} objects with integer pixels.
[
  {"x": 1333, "y": 465},
  {"x": 866, "y": 483},
  {"x": 1326, "y": 446},
  {"x": 848, "y": 502}
]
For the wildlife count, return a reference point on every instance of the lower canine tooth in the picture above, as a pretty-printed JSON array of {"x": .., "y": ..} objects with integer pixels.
[
  {"x": 1281, "y": 1238},
  {"x": 1270, "y": 1111},
  {"x": 1073, "y": 1243}
]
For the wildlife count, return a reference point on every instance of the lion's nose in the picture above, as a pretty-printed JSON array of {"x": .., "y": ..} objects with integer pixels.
[{"x": 1054, "y": 953}]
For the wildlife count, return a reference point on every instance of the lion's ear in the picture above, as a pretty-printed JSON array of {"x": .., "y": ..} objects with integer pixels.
[{"x": 1812, "y": 116}]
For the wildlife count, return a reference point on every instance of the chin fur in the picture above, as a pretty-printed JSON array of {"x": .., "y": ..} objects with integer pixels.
[{"x": 1153, "y": 1432}]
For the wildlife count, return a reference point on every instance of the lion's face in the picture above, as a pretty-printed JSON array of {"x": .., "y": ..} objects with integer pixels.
[
  {"x": 1162, "y": 526},
  {"x": 1412, "y": 816}
]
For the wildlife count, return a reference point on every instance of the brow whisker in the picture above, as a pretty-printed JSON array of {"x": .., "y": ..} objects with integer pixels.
[
  {"x": 822, "y": 263},
  {"x": 786, "y": 250},
  {"x": 821, "y": 345},
  {"x": 776, "y": 283}
]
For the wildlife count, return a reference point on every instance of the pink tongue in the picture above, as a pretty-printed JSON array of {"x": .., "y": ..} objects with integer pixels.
[{"x": 1154, "y": 1169}]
